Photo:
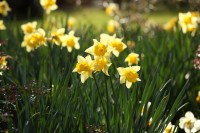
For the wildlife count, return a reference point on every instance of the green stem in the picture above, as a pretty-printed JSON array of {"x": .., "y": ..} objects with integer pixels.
[{"x": 108, "y": 110}]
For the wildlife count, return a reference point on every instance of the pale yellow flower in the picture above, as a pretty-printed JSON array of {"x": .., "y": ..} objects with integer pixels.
[
  {"x": 132, "y": 58},
  {"x": 170, "y": 128},
  {"x": 84, "y": 67},
  {"x": 3, "y": 62},
  {"x": 112, "y": 26},
  {"x": 130, "y": 44},
  {"x": 117, "y": 45},
  {"x": 2, "y": 26},
  {"x": 4, "y": 8},
  {"x": 48, "y": 5},
  {"x": 57, "y": 36},
  {"x": 29, "y": 27},
  {"x": 112, "y": 9},
  {"x": 170, "y": 25},
  {"x": 34, "y": 40},
  {"x": 102, "y": 64},
  {"x": 71, "y": 23},
  {"x": 70, "y": 41},
  {"x": 198, "y": 97},
  {"x": 129, "y": 75}
]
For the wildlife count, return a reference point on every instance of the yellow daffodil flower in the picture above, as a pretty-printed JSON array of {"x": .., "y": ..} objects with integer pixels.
[
  {"x": 84, "y": 67},
  {"x": 2, "y": 26},
  {"x": 4, "y": 8},
  {"x": 3, "y": 62},
  {"x": 48, "y": 5},
  {"x": 102, "y": 64},
  {"x": 129, "y": 75},
  {"x": 112, "y": 9},
  {"x": 112, "y": 26},
  {"x": 170, "y": 25},
  {"x": 57, "y": 36},
  {"x": 71, "y": 23},
  {"x": 132, "y": 58},
  {"x": 34, "y": 40},
  {"x": 170, "y": 128},
  {"x": 198, "y": 97},
  {"x": 29, "y": 27},
  {"x": 70, "y": 41}
]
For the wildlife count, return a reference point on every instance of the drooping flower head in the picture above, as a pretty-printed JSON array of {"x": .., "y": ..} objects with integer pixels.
[
  {"x": 34, "y": 40},
  {"x": 102, "y": 64},
  {"x": 132, "y": 58},
  {"x": 112, "y": 9},
  {"x": 2, "y": 26},
  {"x": 112, "y": 26},
  {"x": 48, "y": 5},
  {"x": 170, "y": 25},
  {"x": 129, "y": 75},
  {"x": 29, "y": 27},
  {"x": 70, "y": 41},
  {"x": 57, "y": 35},
  {"x": 71, "y": 23},
  {"x": 84, "y": 67},
  {"x": 4, "y": 8}
]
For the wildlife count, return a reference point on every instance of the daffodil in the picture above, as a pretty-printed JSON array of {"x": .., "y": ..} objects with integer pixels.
[
  {"x": 117, "y": 45},
  {"x": 187, "y": 122},
  {"x": 129, "y": 75},
  {"x": 3, "y": 62},
  {"x": 112, "y": 9},
  {"x": 2, "y": 26},
  {"x": 198, "y": 97},
  {"x": 4, "y": 8},
  {"x": 29, "y": 27},
  {"x": 170, "y": 25},
  {"x": 196, "y": 128},
  {"x": 57, "y": 36},
  {"x": 84, "y": 67},
  {"x": 130, "y": 44},
  {"x": 132, "y": 58},
  {"x": 170, "y": 128},
  {"x": 102, "y": 64},
  {"x": 112, "y": 26},
  {"x": 71, "y": 23},
  {"x": 70, "y": 41},
  {"x": 34, "y": 40},
  {"x": 48, "y": 5}
]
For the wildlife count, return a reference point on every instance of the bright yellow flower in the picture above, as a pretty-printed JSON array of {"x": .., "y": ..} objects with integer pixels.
[
  {"x": 2, "y": 26},
  {"x": 4, "y": 8},
  {"x": 71, "y": 23},
  {"x": 132, "y": 58},
  {"x": 34, "y": 40},
  {"x": 112, "y": 9},
  {"x": 117, "y": 45},
  {"x": 129, "y": 75},
  {"x": 189, "y": 22},
  {"x": 84, "y": 67},
  {"x": 29, "y": 27},
  {"x": 170, "y": 25},
  {"x": 57, "y": 36},
  {"x": 70, "y": 41},
  {"x": 198, "y": 98},
  {"x": 102, "y": 64},
  {"x": 48, "y": 5},
  {"x": 112, "y": 26},
  {"x": 3, "y": 62}
]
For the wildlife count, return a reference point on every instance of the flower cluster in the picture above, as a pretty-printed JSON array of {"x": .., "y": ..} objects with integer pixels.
[
  {"x": 102, "y": 51},
  {"x": 4, "y": 8},
  {"x": 48, "y": 5},
  {"x": 189, "y": 123}
]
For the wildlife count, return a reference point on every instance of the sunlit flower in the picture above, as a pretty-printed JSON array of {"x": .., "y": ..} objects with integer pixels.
[
  {"x": 2, "y": 26},
  {"x": 4, "y": 8},
  {"x": 187, "y": 122},
  {"x": 102, "y": 64},
  {"x": 99, "y": 49},
  {"x": 170, "y": 128},
  {"x": 84, "y": 67},
  {"x": 3, "y": 62},
  {"x": 29, "y": 27},
  {"x": 196, "y": 126},
  {"x": 71, "y": 23},
  {"x": 34, "y": 40},
  {"x": 113, "y": 26},
  {"x": 198, "y": 97},
  {"x": 70, "y": 41},
  {"x": 189, "y": 22},
  {"x": 129, "y": 75},
  {"x": 112, "y": 9},
  {"x": 170, "y": 25},
  {"x": 130, "y": 44},
  {"x": 57, "y": 36},
  {"x": 48, "y": 5},
  {"x": 132, "y": 58},
  {"x": 118, "y": 46}
]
